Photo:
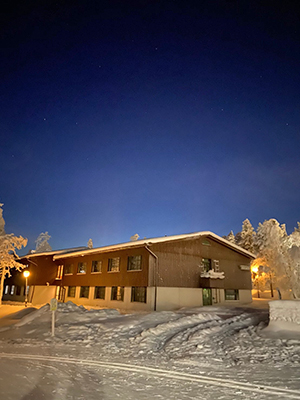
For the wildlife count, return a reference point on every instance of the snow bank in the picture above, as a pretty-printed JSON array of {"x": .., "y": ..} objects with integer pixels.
[
  {"x": 284, "y": 315},
  {"x": 65, "y": 308}
]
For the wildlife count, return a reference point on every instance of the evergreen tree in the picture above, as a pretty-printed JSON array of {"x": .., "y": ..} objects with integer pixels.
[
  {"x": 42, "y": 244},
  {"x": 230, "y": 237},
  {"x": 246, "y": 239}
]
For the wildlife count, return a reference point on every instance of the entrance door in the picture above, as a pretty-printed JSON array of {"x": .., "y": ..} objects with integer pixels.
[{"x": 207, "y": 298}]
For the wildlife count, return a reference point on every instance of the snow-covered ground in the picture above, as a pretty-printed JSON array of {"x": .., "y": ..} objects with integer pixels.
[{"x": 200, "y": 353}]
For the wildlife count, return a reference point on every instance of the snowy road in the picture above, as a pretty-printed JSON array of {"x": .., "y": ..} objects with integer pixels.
[
  {"x": 212, "y": 353},
  {"x": 44, "y": 362}
]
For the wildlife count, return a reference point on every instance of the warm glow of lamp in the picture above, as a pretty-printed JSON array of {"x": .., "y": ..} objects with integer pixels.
[
  {"x": 254, "y": 268},
  {"x": 26, "y": 274}
]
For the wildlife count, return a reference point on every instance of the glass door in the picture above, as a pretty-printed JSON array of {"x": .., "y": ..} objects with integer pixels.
[{"x": 207, "y": 298}]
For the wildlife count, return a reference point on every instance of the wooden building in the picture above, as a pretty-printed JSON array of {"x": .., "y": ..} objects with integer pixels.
[{"x": 163, "y": 273}]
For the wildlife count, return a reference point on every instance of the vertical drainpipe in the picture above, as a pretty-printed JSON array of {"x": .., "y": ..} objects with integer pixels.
[{"x": 155, "y": 275}]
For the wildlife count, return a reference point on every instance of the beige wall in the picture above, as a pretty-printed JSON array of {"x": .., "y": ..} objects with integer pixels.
[
  {"x": 174, "y": 298},
  {"x": 41, "y": 294},
  {"x": 124, "y": 305},
  {"x": 245, "y": 296}
]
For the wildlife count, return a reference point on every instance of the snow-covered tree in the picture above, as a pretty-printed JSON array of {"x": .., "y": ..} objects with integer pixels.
[
  {"x": 42, "y": 243},
  {"x": 90, "y": 244},
  {"x": 230, "y": 237},
  {"x": 273, "y": 245},
  {"x": 246, "y": 236},
  {"x": 9, "y": 243},
  {"x": 2, "y": 222},
  {"x": 134, "y": 237}
]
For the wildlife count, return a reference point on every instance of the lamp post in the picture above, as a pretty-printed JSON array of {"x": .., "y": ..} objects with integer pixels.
[{"x": 26, "y": 275}]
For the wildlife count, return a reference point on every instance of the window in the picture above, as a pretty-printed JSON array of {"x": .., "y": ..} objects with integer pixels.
[
  {"x": 114, "y": 264},
  {"x": 12, "y": 290},
  {"x": 18, "y": 290},
  {"x": 81, "y": 269},
  {"x": 96, "y": 267},
  {"x": 71, "y": 291},
  {"x": 85, "y": 291},
  {"x": 205, "y": 242},
  {"x": 6, "y": 289},
  {"x": 231, "y": 294},
  {"x": 206, "y": 264},
  {"x": 117, "y": 293},
  {"x": 139, "y": 294},
  {"x": 69, "y": 269},
  {"x": 99, "y": 292},
  {"x": 134, "y": 263},
  {"x": 59, "y": 273}
]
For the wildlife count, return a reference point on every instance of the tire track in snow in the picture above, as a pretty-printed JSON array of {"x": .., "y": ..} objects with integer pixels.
[{"x": 226, "y": 383}]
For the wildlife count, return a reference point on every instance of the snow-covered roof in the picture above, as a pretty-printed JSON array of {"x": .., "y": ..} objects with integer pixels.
[
  {"x": 53, "y": 252},
  {"x": 145, "y": 242}
]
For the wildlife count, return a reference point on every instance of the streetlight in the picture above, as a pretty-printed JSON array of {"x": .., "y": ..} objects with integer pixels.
[{"x": 26, "y": 275}]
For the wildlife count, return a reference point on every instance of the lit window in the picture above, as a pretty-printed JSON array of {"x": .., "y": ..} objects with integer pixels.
[
  {"x": 139, "y": 294},
  {"x": 99, "y": 292},
  {"x": 69, "y": 269},
  {"x": 59, "y": 274},
  {"x": 85, "y": 291},
  {"x": 114, "y": 264},
  {"x": 117, "y": 293},
  {"x": 81, "y": 269},
  {"x": 96, "y": 266},
  {"x": 231, "y": 294},
  {"x": 71, "y": 291},
  {"x": 6, "y": 289},
  {"x": 12, "y": 290},
  {"x": 134, "y": 263}
]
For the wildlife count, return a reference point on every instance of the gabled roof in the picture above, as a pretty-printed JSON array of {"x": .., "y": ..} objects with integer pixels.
[{"x": 148, "y": 242}]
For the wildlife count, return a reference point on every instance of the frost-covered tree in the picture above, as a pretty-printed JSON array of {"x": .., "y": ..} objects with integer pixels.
[
  {"x": 90, "y": 244},
  {"x": 2, "y": 222},
  {"x": 273, "y": 245},
  {"x": 230, "y": 237},
  {"x": 134, "y": 237},
  {"x": 246, "y": 236},
  {"x": 9, "y": 243},
  {"x": 42, "y": 243}
]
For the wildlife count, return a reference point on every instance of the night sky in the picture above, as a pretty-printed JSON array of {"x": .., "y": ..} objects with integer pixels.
[{"x": 148, "y": 117}]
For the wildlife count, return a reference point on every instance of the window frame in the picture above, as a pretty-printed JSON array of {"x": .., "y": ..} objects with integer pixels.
[
  {"x": 59, "y": 272},
  {"x": 135, "y": 296},
  {"x": 235, "y": 294},
  {"x": 78, "y": 266},
  {"x": 119, "y": 296},
  {"x": 82, "y": 294},
  {"x": 100, "y": 264},
  {"x": 110, "y": 264},
  {"x": 71, "y": 266},
  {"x": 100, "y": 287},
  {"x": 206, "y": 262},
  {"x": 69, "y": 291},
  {"x": 131, "y": 261}
]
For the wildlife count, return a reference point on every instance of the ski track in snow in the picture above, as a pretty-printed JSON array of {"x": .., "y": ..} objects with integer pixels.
[{"x": 174, "y": 375}]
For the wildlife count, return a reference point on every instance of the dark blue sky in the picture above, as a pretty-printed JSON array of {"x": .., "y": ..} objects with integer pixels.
[{"x": 148, "y": 117}]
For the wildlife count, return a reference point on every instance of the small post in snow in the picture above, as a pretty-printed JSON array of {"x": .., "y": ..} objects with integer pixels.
[{"x": 53, "y": 308}]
